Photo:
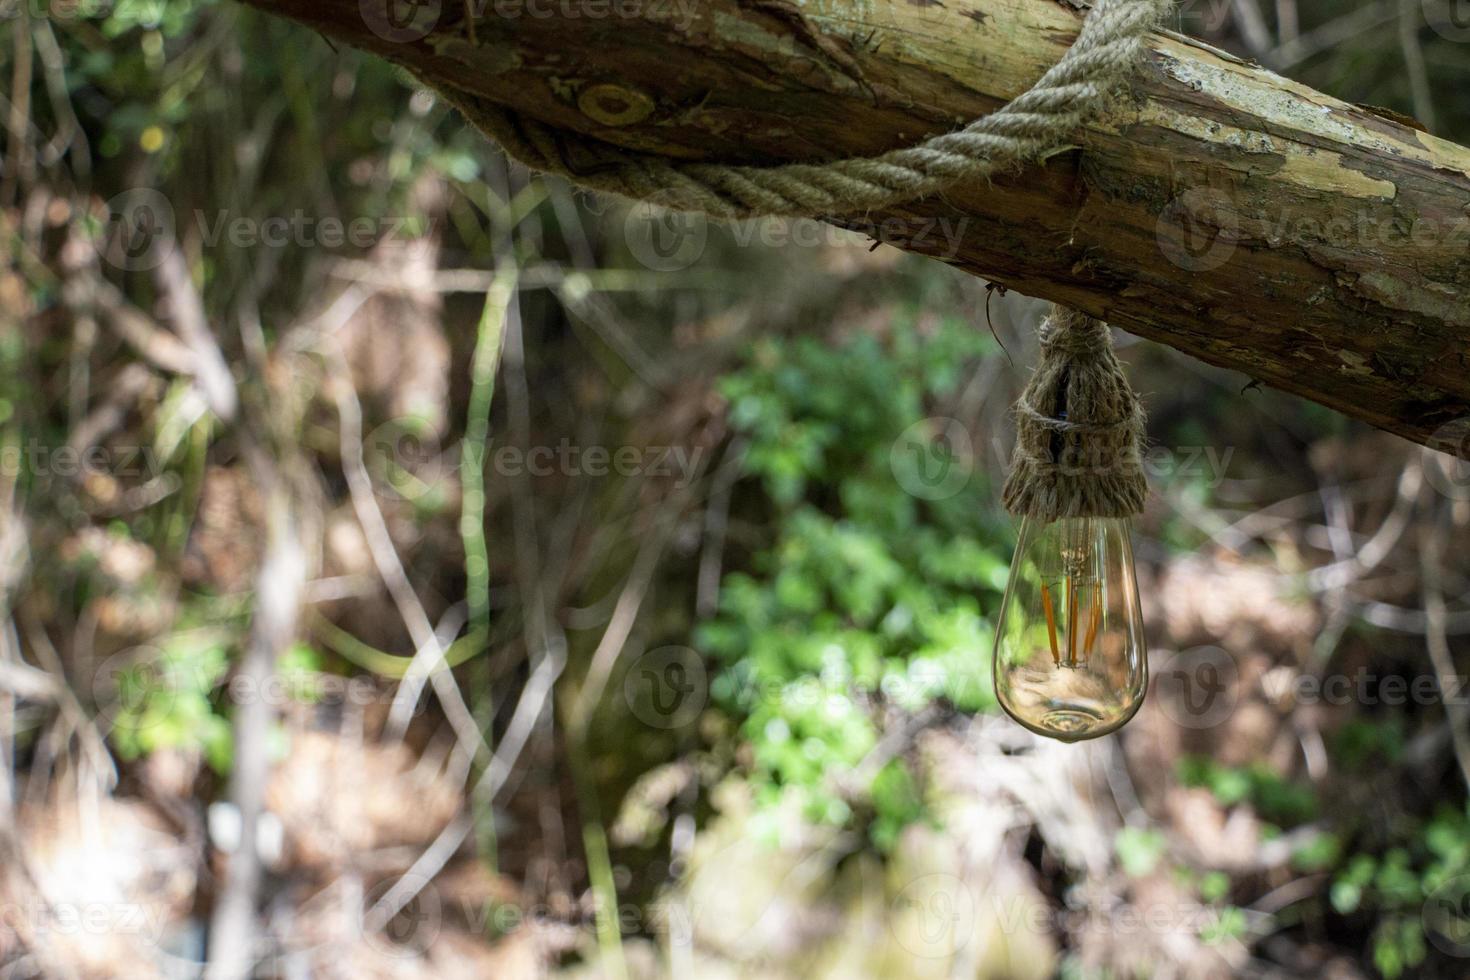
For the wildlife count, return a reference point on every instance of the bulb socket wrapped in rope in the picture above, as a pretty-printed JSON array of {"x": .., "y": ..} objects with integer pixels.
[{"x": 1079, "y": 428}]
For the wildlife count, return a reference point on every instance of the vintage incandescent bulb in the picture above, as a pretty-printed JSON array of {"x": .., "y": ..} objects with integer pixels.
[{"x": 1070, "y": 660}]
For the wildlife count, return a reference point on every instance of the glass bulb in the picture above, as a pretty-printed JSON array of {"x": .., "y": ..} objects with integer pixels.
[{"x": 1070, "y": 661}]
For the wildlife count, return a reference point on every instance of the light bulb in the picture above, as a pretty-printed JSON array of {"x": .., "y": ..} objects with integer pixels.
[{"x": 1070, "y": 660}]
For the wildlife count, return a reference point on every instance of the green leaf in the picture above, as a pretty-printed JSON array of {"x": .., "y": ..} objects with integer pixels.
[{"x": 1139, "y": 850}]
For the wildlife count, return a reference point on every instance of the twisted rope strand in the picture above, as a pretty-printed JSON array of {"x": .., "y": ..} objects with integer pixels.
[{"x": 1112, "y": 42}]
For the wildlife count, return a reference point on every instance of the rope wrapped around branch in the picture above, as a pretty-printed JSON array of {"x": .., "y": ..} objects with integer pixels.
[
  {"x": 1079, "y": 428},
  {"x": 1080, "y": 425},
  {"x": 1111, "y": 44}
]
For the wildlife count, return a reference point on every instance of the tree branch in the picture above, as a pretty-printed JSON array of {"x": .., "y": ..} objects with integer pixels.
[{"x": 1223, "y": 210}]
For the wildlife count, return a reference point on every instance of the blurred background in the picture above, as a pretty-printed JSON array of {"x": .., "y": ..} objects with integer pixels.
[{"x": 414, "y": 568}]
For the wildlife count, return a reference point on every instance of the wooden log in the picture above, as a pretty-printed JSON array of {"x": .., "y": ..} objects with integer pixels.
[{"x": 1238, "y": 216}]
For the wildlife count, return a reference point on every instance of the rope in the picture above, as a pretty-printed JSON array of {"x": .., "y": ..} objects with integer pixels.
[
  {"x": 1079, "y": 423},
  {"x": 1112, "y": 42},
  {"x": 1079, "y": 427}
]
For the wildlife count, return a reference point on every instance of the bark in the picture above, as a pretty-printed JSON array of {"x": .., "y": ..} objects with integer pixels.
[{"x": 1221, "y": 209}]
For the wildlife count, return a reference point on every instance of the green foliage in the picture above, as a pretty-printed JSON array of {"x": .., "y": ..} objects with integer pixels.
[
  {"x": 172, "y": 699},
  {"x": 1363, "y": 743},
  {"x": 1388, "y": 882},
  {"x": 896, "y": 803},
  {"x": 1320, "y": 852},
  {"x": 1073, "y": 968},
  {"x": 1228, "y": 924},
  {"x": 1139, "y": 850},
  {"x": 298, "y": 669},
  {"x": 864, "y": 599},
  {"x": 1214, "y": 886},
  {"x": 1392, "y": 885},
  {"x": 1277, "y": 800},
  {"x": 166, "y": 702},
  {"x": 1398, "y": 944}
]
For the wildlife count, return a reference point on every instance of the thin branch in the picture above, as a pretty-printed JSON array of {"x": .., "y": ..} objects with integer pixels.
[
  {"x": 1410, "y": 12},
  {"x": 428, "y": 650},
  {"x": 1303, "y": 47},
  {"x": 485, "y": 363},
  {"x": 1253, "y": 29},
  {"x": 18, "y": 171},
  {"x": 1288, "y": 23},
  {"x": 1431, "y": 550},
  {"x": 625, "y": 613},
  {"x": 151, "y": 341},
  {"x": 716, "y": 523},
  {"x": 234, "y": 930},
  {"x": 210, "y": 369},
  {"x": 73, "y": 715},
  {"x": 1371, "y": 554}
]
